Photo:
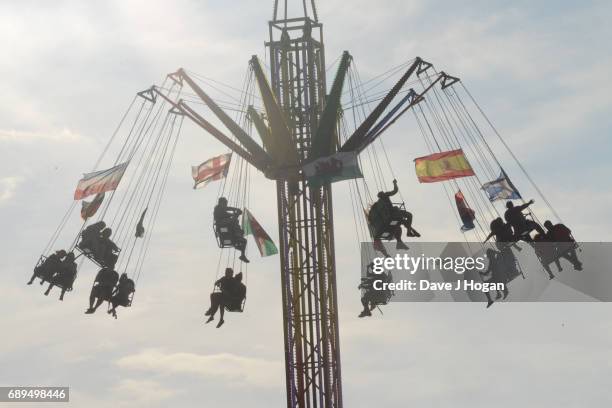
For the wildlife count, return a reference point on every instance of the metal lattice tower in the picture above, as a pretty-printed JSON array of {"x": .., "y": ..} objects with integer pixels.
[{"x": 306, "y": 235}]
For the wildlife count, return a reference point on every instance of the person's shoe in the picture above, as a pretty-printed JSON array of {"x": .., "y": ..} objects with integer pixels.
[
  {"x": 89, "y": 311},
  {"x": 47, "y": 293},
  {"x": 210, "y": 319},
  {"x": 415, "y": 234},
  {"x": 244, "y": 259},
  {"x": 401, "y": 245},
  {"x": 208, "y": 312},
  {"x": 29, "y": 283},
  {"x": 220, "y": 323},
  {"x": 578, "y": 267},
  {"x": 551, "y": 277},
  {"x": 489, "y": 303},
  {"x": 364, "y": 313}
]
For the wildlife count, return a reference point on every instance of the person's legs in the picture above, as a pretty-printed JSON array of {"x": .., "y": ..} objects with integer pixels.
[
  {"x": 92, "y": 298},
  {"x": 33, "y": 277},
  {"x": 51, "y": 284},
  {"x": 489, "y": 300},
  {"x": 366, "y": 307},
  {"x": 215, "y": 302},
  {"x": 62, "y": 294},
  {"x": 221, "y": 313},
  {"x": 532, "y": 225},
  {"x": 397, "y": 233},
  {"x": 572, "y": 257}
]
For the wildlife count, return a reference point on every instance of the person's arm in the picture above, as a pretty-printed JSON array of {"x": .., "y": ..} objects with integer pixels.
[
  {"x": 524, "y": 206},
  {"x": 234, "y": 210},
  {"x": 394, "y": 191}
]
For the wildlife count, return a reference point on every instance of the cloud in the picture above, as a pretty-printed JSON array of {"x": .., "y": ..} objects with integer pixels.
[
  {"x": 64, "y": 135},
  {"x": 8, "y": 186},
  {"x": 144, "y": 391},
  {"x": 230, "y": 368}
]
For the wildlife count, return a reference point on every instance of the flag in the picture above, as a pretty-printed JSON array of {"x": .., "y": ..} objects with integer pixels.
[
  {"x": 211, "y": 170},
  {"x": 442, "y": 166},
  {"x": 264, "y": 242},
  {"x": 100, "y": 181},
  {"x": 140, "y": 227},
  {"x": 337, "y": 167},
  {"x": 501, "y": 189},
  {"x": 89, "y": 209},
  {"x": 466, "y": 213}
]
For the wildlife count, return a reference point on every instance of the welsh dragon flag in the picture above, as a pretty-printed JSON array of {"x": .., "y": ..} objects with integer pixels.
[{"x": 264, "y": 242}]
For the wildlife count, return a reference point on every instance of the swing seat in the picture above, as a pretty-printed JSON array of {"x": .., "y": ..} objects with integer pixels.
[
  {"x": 236, "y": 308},
  {"x": 89, "y": 254},
  {"x": 381, "y": 297},
  {"x": 382, "y": 222},
  {"x": 224, "y": 235},
  {"x": 44, "y": 274}
]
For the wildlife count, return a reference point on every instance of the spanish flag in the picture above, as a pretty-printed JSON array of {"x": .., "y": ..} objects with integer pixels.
[{"x": 442, "y": 166}]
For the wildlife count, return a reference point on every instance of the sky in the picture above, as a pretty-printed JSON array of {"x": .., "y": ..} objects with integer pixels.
[{"x": 71, "y": 68}]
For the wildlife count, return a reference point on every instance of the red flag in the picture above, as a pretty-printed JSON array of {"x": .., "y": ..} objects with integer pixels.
[
  {"x": 89, "y": 209},
  {"x": 100, "y": 181},
  {"x": 212, "y": 169}
]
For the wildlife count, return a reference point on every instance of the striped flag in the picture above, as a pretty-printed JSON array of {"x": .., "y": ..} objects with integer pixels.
[
  {"x": 442, "y": 166},
  {"x": 100, "y": 181},
  {"x": 89, "y": 208},
  {"x": 211, "y": 170},
  {"x": 501, "y": 189},
  {"x": 262, "y": 239}
]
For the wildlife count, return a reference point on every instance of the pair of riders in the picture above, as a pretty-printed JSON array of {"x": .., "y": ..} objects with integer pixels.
[
  {"x": 383, "y": 214},
  {"x": 555, "y": 244},
  {"x": 59, "y": 269},
  {"x": 226, "y": 218},
  {"x": 96, "y": 240},
  {"x": 109, "y": 287},
  {"x": 517, "y": 226},
  {"x": 231, "y": 296}
]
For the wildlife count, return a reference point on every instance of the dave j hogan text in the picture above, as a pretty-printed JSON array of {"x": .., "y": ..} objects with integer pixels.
[{"x": 424, "y": 284}]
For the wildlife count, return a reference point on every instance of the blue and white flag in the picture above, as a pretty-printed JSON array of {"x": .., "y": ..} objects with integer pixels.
[{"x": 501, "y": 189}]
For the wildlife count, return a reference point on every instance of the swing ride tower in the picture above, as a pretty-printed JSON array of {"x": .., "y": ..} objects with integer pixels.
[{"x": 305, "y": 217}]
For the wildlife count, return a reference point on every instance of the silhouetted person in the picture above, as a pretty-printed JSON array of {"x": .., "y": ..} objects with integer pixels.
[
  {"x": 226, "y": 216},
  {"x": 217, "y": 298},
  {"x": 102, "y": 289},
  {"x": 49, "y": 266},
  {"x": 140, "y": 227},
  {"x": 372, "y": 297},
  {"x": 121, "y": 294},
  {"x": 91, "y": 235},
  {"x": 503, "y": 234},
  {"x": 65, "y": 275},
  {"x": 367, "y": 285},
  {"x": 546, "y": 252},
  {"x": 106, "y": 251},
  {"x": 496, "y": 274},
  {"x": 235, "y": 293},
  {"x": 564, "y": 242},
  {"x": 521, "y": 225},
  {"x": 404, "y": 217}
]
